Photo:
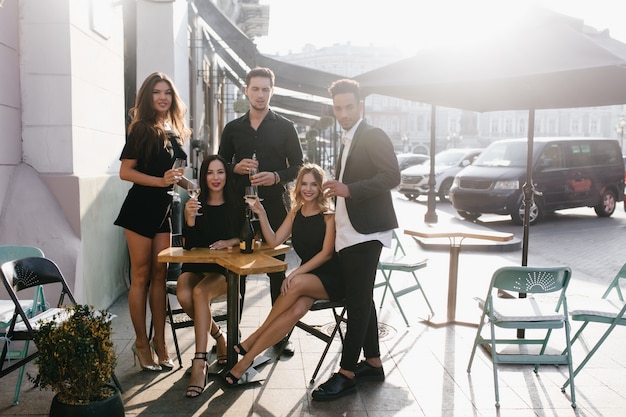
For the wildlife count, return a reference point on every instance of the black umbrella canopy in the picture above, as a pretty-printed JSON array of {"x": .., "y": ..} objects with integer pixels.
[{"x": 546, "y": 61}]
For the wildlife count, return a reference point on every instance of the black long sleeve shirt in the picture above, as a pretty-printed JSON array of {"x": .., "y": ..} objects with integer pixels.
[{"x": 275, "y": 143}]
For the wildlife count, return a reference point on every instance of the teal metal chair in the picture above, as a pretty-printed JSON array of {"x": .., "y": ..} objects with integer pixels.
[
  {"x": 531, "y": 313},
  {"x": 31, "y": 307},
  {"x": 606, "y": 311},
  {"x": 396, "y": 259}
]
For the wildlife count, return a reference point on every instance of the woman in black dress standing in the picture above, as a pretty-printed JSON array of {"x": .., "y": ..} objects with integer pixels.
[
  {"x": 155, "y": 138},
  {"x": 312, "y": 230}
]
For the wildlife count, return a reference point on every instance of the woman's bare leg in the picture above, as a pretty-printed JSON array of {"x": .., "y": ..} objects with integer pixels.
[
  {"x": 195, "y": 295},
  {"x": 140, "y": 249},
  {"x": 302, "y": 285},
  {"x": 157, "y": 294},
  {"x": 305, "y": 289}
]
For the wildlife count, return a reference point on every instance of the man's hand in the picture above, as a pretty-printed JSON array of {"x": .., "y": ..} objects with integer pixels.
[
  {"x": 334, "y": 188},
  {"x": 243, "y": 167},
  {"x": 263, "y": 178}
]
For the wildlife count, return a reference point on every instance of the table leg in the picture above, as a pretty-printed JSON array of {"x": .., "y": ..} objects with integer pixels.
[
  {"x": 453, "y": 277},
  {"x": 232, "y": 318}
]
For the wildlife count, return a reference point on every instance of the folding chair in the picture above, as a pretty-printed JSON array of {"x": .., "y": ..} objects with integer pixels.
[
  {"x": 533, "y": 312},
  {"x": 31, "y": 307},
  {"x": 607, "y": 311},
  {"x": 391, "y": 261},
  {"x": 339, "y": 317},
  {"x": 19, "y": 275}
]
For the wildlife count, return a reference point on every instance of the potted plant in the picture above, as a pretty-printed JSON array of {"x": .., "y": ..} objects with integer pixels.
[{"x": 77, "y": 360}]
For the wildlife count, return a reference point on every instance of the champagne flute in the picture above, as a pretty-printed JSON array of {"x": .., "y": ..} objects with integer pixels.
[
  {"x": 179, "y": 163},
  {"x": 251, "y": 195},
  {"x": 194, "y": 192}
]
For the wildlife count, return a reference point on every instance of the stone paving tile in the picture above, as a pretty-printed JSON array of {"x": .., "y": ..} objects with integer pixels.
[{"x": 426, "y": 368}]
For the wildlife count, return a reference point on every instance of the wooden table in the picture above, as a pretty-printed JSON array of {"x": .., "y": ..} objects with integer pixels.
[
  {"x": 261, "y": 261},
  {"x": 455, "y": 238}
]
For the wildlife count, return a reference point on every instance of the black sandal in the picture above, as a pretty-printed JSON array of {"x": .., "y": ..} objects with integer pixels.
[
  {"x": 222, "y": 360},
  {"x": 230, "y": 379},
  {"x": 194, "y": 391},
  {"x": 240, "y": 349}
]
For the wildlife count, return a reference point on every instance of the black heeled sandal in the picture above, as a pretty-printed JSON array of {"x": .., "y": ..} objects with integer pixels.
[
  {"x": 194, "y": 391},
  {"x": 240, "y": 349},
  {"x": 222, "y": 359},
  {"x": 231, "y": 380}
]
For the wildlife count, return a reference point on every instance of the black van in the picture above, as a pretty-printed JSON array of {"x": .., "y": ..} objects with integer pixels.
[{"x": 569, "y": 172}]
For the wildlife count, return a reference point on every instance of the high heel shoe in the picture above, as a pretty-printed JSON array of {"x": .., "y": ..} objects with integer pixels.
[
  {"x": 220, "y": 349},
  {"x": 240, "y": 349},
  {"x": 230, "y": 379},
  {"x": 151, "y": 367},
  {"x": 194, "y": 391},
  {"x": 165, "y": 363}
]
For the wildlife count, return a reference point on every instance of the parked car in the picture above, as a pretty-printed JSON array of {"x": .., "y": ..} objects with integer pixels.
[
  {"x": 448, "y": 163},
  {"x": 567, "y": 172},
  {"x": 406, "y": 160}
]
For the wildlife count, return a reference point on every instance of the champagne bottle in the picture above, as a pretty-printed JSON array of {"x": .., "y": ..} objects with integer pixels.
[{"x": 246, "y": 237}]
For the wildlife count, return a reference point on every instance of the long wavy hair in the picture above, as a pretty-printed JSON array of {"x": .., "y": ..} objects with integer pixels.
[
  {"x": 144, "y": 118},
  {"x": 323, "y": 203},
  {"x": 233, "y": 201}
]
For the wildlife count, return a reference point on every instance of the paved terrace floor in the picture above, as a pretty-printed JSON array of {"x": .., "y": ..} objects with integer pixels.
[{"x": 425, "y": 367}]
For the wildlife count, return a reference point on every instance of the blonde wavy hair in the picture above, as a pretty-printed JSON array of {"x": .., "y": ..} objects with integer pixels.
[{"x": 323, "y": 202}]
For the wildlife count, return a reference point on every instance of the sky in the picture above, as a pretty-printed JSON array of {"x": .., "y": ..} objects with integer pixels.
[{"x": 411, "y": 25}]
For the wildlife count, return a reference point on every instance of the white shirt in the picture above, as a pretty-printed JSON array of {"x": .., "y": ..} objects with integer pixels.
[{"x": 346, "y": 235}]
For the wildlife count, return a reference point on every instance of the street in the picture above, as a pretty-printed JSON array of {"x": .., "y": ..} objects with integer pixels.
[{"x": 592, "y": 247}]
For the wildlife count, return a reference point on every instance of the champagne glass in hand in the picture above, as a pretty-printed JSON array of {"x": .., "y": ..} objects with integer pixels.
[
  {"x": 194, "y": 191},
  {"x": 251, "y": 195},
  {"x": 179, "y": 164}
]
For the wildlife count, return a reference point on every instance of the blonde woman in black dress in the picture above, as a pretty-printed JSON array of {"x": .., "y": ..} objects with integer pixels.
[
  {"x": 312, "y": 230},
  {"x": 155, "y": 138}
]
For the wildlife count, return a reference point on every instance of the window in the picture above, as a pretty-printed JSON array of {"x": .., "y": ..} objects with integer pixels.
[
  {"x": 551, "y": 157},
  {"x": 579, "y": 155}
]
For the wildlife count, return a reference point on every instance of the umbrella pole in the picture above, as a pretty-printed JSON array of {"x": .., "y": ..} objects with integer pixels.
[
  {"x": 528, "y": 198},
  {"x": 431, "y": 213},
  {"x": 528, "y": 189}
]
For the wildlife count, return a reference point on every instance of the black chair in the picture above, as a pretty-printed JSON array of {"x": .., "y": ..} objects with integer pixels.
[
  {"x": 22, "y": 274},
  {"x": 339, "y": 312},
  {"x": 19, "y": 275},
  {"x": 31, "y": 306}
]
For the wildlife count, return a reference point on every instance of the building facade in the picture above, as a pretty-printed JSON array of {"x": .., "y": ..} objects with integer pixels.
[{"x": 70, "y": 70}]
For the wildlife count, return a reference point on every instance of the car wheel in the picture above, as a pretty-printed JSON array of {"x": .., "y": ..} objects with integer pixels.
[
  {"x": 607, "y": 204},
  {"x": 468, "y": 216},
  {"x": 411, "y": 197},
  {"x": 444, "y": 189},
  {"x": 535, "y": 214}
]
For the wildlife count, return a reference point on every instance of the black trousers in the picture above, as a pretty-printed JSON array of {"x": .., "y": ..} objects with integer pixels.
[{"x": 358, "y": 265}]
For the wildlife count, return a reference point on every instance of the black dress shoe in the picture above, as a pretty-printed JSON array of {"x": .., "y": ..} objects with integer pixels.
[
  {"x": 366, "y": 372},
  {"x": 337, "y": 386}
]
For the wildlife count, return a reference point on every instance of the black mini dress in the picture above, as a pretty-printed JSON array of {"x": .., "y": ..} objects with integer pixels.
[
  {"x": 147, "y": 210},
  {"x": 307, "y": 238}
]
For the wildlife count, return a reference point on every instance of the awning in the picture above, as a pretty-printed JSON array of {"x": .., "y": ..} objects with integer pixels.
[{"x": 240, "y": 54}]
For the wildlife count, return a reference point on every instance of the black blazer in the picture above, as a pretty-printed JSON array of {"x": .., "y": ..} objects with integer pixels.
[{"x": 370, "y": 173}]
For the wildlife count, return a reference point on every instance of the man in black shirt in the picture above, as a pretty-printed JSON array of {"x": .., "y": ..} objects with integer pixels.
[{"x": 269, "y": 143}]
